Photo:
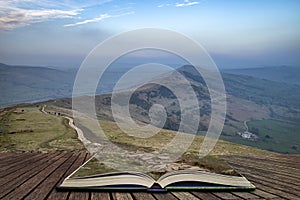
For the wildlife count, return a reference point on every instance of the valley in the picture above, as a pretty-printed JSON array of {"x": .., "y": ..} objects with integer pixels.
[
  {"x": 269, "y": 107},
  {"x": 38, "y": 131}
]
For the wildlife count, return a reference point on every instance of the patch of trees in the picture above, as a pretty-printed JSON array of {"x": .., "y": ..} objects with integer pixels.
[{"x": 254, "y": 130}]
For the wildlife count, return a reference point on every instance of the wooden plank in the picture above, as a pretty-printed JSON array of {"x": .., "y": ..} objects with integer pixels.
[
  {"x": 263, "y": 158},
  {"x": 206, "y": 196},
  {"x": 185, "y": 195},
  {"x": 60, "y": 195},
  {"x": 12, "y": 155},
  {"x": 260, "y": 167},
  {"x": 292, "y": 165},
  {"x": 164, "y": 196},
  {"x": 271, "y": 184},
  {"x": 267, "y": 174},
  {"x": 264, "y": 194},
  {"x": 263, "y": 166},
  {"x": 142, "y": 196},
  {"x": 269, "y": 166},
  {"x": 49, "y": 184},
  {"x": 285, "y": 188},
  {"x": 24, "y": 189},
  {"x": 270, "y": 172},
  {"x": 269, "y": 181},
  {"x": 19, "y": 164},
  {"x": 12, "y": 159},
  {"x": 246, "y": 195},
  {"x": 14, "y": 173},
  {"x": 225, "y": 195},
  {"x": 291, "y": 157},
  {"x": 79, "y": 196},
  {"x": 282, "y": 160},
  {"x": 100, "y": 196},
  {"x": 273, "y": 179},
  {"x": 31, "y": 171},
  {"x": 4, "y": 155},
  {"x": 16, "y": 159},
  {"x": 279, "y": 193},
  {"x": 121, "y": 196}
]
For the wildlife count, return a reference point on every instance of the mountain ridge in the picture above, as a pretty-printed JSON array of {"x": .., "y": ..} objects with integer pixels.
[
  {"x": 285, "y": 74},
  {"x": 261, "y": 102}
]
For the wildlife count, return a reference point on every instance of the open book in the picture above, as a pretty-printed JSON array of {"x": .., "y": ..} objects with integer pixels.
[{"x": 95, "y": 175}]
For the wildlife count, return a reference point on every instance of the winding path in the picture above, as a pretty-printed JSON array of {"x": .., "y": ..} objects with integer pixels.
[
  {"x": 72, "y": 125},
  {"x": 245, "y": 123},
  {"x": 109, "y": 152}
]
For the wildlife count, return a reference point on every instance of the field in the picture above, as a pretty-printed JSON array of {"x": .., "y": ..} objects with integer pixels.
[
  {"x": 277, "y": 135},
  {"x": 165, "y": 136},
  {"x": 274, "y": 135},
  {"x": 28, "y": 129}
]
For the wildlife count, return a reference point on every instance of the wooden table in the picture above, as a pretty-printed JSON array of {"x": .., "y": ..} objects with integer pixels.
[{"x": 35, "y": 176}]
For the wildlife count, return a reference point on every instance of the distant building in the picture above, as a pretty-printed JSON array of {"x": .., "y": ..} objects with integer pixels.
[{"x": 248, "y": 136}]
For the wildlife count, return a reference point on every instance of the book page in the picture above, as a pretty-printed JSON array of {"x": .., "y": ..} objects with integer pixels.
[
  {"x": 203, "y": 177},
  {"x": 189, "y": 162},
  {"x": 91, "y": 168}
]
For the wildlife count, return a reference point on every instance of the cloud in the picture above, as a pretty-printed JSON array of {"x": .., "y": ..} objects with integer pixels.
[
  {"x": 183, "y": 4},
  {"x": 97, "y": 19},
  {"x": 21, "y": 17},
  {"x": 19, "y": 13},
  {"x": 163, "y": 5},
  {"x": 187, "y": 3}
]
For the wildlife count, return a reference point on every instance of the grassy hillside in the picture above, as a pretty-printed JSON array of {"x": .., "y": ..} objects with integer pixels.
[
  {"x": 248, "y": 98},
  {"x": 165, "y": 136},
  {"x": 284, "y": 74},
  {"x": 116, "y": 135},
  {"x": 28, "y": 129},
  {"x": 277, "y": 134},
  {"x": 262, "y": 92},
  {"x": 21, "y": 84}
]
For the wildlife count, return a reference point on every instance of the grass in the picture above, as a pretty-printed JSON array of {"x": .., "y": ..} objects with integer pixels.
[
  {"x": 274, "y": 135},
  {"x": 278, "y": 135},
  {"x": 165, "y": 136},
  {"x": 91, "y": 168},
  {"x": 211, "y": 162},
  {"x": 28, "y": 129}
]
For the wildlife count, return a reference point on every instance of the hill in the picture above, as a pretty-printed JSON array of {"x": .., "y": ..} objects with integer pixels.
[
  {"x": 257, "y": 103},
  {"x": 251, "y": 102},
  {"x": 21, "y": 84},
  {"x": 284, "y": 74},
  {"x": 25, "y": 128}
]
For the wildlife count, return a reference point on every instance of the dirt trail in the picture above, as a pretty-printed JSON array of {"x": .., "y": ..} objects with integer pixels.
[
  {"x": 72, "y": 125},
  {"x": 121, "y": 158},
  {"x": 245, "y": 123}
]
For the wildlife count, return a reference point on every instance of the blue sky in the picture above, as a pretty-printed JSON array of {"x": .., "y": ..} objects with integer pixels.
[{"x": 236, "y": 33}]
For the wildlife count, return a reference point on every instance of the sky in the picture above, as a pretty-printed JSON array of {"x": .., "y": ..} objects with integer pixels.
[{"x": 235, "y": 33}]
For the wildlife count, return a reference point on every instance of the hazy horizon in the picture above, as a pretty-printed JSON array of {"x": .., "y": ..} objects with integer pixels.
[
  {"x": 171, "y": 64},
  {"x": 236, "y": 34}
]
